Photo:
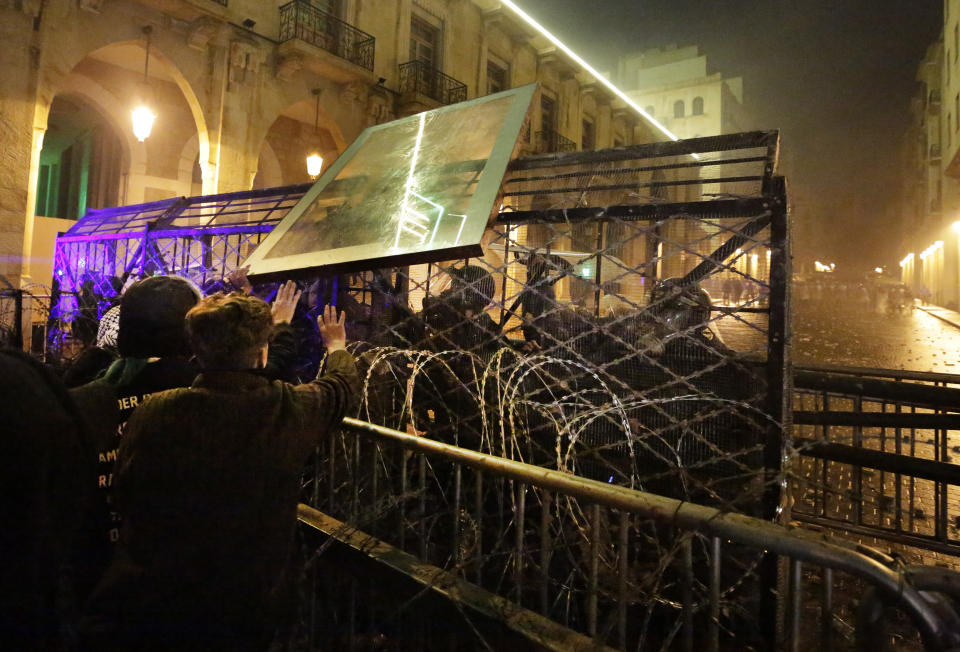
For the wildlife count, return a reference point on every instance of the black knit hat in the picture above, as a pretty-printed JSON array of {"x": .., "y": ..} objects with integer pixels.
[{"x": 152, "y": 317}]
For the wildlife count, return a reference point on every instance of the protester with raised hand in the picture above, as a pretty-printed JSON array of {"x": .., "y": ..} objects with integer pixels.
[{"x": 207, "y": 481}]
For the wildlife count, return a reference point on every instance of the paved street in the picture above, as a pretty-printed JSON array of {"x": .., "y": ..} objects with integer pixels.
[{"x": 918, "y": 341}]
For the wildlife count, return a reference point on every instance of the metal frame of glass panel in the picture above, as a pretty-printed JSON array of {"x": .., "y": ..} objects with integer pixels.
[{"x": 331, "y": 228}]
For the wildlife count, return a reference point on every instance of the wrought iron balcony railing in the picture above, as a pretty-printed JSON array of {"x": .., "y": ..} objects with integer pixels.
[
  {"x": 300, "y": 20},
  {"x": 551, "y": 141},
  {"x": 418, "y": 77}
]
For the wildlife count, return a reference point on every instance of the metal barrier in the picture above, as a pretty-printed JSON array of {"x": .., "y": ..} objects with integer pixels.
[
  {"x": 419, "y": 77},
  {"x": 553, "y": 141},
  {"x": 628, "y": 568},
  {"x": 875, "y": 450},
  {"x": 28, "y": 322}
]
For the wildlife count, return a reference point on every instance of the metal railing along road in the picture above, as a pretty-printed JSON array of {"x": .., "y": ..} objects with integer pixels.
[
  {"x": 419, "y": 77},
  {"x": 876, "y": 453},
  {"x": 590, "y": 555},
  {"x": 552, "y": 141},
  {"x": 299, "y": 19}
]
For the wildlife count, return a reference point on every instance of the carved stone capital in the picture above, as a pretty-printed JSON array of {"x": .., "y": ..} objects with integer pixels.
[
  {"x": 245, "y": 58},
  {"x": 31, "y": 7},
  {"x": 288, "y": 65},
  {"x": 379, "y": 107},
  {"x": 200, "y": 32},
  {"x": 93, "y": 6},
  {"x": 354, "y": 93}
]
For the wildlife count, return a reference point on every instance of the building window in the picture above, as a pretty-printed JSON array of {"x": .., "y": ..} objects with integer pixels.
[
  {"x": 498, "y": 76},
  {"x": 424, "y": 42},
  {"x": 698, "y": 106},
  {"x": 332, "y": 7},
  {"x": 649, "y": 110},
  {"x": 548, "y": 114},
  {"x": 588, "y": 140},
  {"x": 678, "y": 109}
]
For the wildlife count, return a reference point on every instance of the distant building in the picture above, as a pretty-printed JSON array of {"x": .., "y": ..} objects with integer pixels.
[
  {"x": 674, "y": 86},
  {"x": 930, "y": 213},
  {"x": 923, "y": 181}
]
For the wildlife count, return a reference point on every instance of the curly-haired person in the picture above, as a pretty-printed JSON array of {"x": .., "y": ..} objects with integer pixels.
[{"x": 207, "y": 480}]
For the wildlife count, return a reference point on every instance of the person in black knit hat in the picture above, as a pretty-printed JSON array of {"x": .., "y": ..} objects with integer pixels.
[{"x": 154, "y": 356}]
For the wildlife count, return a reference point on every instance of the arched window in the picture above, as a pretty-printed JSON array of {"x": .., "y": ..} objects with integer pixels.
[
  {"x": 698, "y": 106},
  {"x": 678, "y": 109},
  {"x": 649, "y": 110}
]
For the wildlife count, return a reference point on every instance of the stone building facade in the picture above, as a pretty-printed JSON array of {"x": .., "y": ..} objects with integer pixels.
[
  {"x": 673, "y": 85},
  {"x": 244, "y": 90}
]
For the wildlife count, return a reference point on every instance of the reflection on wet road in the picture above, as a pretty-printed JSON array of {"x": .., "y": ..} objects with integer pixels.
[{"x": 912, "y": 340}]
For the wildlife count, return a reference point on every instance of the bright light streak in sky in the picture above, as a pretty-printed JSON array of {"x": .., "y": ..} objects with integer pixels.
[{"x": 586, "y": 66}]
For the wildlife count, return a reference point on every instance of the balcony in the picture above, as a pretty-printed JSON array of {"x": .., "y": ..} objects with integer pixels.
[
  {"x": 303, "y": 25},
  {"x": 551, "y": 141},
  {"x": 418, "y": 78}
]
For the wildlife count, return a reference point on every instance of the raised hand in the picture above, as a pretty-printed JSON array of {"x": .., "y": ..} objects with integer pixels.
[
  {"x": 238, "y": 279},
  {"x": 286, "y": 303},
  {"x": 332, "y": 330}
]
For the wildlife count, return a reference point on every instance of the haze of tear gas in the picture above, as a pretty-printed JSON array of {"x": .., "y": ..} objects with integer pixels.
[{"x": 835, "y": 77}]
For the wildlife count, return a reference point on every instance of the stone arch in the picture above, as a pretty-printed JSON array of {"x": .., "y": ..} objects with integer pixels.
[
  {"x": 107, "y": 105},
  {"x": 94, "y": 45},
  {"x": 289, "y": 138},
  {"x": 269, "y": 174},
  {"x": 189, "y": 158}
]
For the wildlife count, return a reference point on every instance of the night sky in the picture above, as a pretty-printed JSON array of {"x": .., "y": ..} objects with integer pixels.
[{"x": 834, "y": 76}]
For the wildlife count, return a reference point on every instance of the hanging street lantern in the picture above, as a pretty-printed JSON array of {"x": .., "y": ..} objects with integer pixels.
[
  {"x": 143, "y": 116},
  {"x": 314, "y": 160}
]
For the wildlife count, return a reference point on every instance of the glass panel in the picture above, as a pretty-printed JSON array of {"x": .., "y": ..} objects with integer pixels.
[{"x": 410, "y": 189}]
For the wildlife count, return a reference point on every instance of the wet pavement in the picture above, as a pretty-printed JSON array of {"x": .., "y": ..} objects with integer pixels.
[
  {"x": 918, "y": 339},
  {"x": 926, "y": 338}
]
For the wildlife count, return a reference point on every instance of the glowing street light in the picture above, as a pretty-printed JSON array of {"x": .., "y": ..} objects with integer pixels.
[
  {"x": 142, "y": 116},
  {"x": 878, "y": 270},
  {"x": 314, "y": 160},
  {"x": 314, "y": 165}
]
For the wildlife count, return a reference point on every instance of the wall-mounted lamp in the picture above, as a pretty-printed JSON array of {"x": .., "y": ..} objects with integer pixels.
[
  {"x": 248, "y": 23},
  {"x": 314, "y": 160},
  {"x": 143, "y": 116}
]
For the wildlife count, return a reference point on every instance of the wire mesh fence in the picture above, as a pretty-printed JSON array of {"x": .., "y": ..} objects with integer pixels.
[{"x": 625, "y": 324}]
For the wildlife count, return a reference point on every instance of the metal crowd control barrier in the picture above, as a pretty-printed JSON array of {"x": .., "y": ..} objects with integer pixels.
[
  {"x": 429, "y": 498},
  {"x": 876, "y": 449}
]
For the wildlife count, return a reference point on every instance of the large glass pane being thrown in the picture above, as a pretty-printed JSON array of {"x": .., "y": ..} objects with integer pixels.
[{"x": 416, "y": 190}]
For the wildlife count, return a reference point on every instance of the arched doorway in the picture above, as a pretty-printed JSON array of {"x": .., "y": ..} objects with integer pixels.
[
  {"x": 299, "y": 130},
  {"x": 82, "y": 161},
  {"x": 90, "y": 157}
]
